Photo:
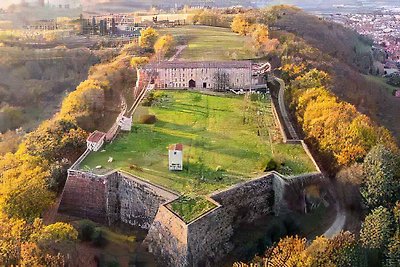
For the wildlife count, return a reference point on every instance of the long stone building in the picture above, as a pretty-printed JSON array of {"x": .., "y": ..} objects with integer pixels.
[{"x": 218, "y": 75}]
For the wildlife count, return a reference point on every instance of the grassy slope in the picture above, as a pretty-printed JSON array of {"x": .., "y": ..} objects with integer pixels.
[
  {"x": 210, "y": 43},
  {"x": 219, "y": 150},
  {"x": 381, "y": 81}
]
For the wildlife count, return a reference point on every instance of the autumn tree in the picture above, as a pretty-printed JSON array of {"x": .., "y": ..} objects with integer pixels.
[
  {"x": 240, "y": 24},
  {"x": 289, "y": 252},
  {"x": 34, "y": 244},
  {"x": 148, "y": 38},
  {"x": 138, "y": 62},
  {"x": 393, "y": 251},
  {"x": 164, "y": 45},
  {"x": 312, "y": 79},
  {"x": 23, "y": 189},
  {"x": 260, "y": 38},
  {"x": 340, "y": 250},
  {"x": 9, "y": 142}
]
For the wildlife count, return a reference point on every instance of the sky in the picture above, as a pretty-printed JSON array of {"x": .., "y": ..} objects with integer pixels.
[{"x": 302, "y": 3}]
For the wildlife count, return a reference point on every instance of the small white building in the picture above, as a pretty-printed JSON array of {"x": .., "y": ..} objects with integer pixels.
[
  {"x": 95, "y": 140},
  {"x": 125, "y": 123},
  {"x": 175, "y": 153}
]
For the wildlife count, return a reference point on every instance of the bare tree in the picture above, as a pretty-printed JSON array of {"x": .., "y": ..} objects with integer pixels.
[{"x": 221, "y": 81}]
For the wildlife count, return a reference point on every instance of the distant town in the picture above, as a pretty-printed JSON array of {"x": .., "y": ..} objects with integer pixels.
[{"x": 382, "y": 27}]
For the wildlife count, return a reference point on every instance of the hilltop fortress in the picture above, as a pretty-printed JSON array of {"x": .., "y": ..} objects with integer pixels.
[{"x": 117, "y": 195}]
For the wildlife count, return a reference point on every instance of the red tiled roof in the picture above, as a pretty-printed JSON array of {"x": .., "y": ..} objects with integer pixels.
[
  {"x": 96, "y": 136},
  {"x": 199, "y": 64},
  {"x": 176, "y": 147}
]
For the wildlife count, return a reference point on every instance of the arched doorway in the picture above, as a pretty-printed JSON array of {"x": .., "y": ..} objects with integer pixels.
[{"x": 192, "y": 84}]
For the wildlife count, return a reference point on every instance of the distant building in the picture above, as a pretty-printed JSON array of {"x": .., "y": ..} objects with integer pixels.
[
  {"x": 113, "y": 26},
  {"x": 175, "y": 155},
  {"x": 216, "y": 75},
  {"x": 200, "y": 75},
  {"x": 46, "y": 25},
  {"x": 95, "y": 140}
]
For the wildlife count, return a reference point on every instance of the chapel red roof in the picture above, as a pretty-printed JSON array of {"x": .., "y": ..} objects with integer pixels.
[{"x": 176, "y": 147}]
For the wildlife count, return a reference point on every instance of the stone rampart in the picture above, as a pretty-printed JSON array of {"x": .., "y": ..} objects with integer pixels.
[
  {"x": 84, "y": 196},
  {"x": 168, "y": 238},
  {"x": 112, "y": 197}
]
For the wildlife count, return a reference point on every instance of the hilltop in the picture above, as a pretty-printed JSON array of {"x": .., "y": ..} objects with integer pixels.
[{"x": 226, "y": 139}]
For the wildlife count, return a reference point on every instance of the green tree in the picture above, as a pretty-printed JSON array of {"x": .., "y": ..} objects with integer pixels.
[
  {"x": 377, "y": 229},
  {"x": 381, "y": 184},
  {"x": 393, "y": 251}
]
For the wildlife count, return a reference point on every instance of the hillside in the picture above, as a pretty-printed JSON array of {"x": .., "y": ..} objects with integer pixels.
[
  {"x": 346, "y": 55},
  {"x": 31, "y": 79},
  {"x": 210, "y": 43}
]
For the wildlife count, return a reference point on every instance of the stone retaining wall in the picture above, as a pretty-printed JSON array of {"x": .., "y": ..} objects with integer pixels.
[
  {"x": 84, "y": 196},
  {"x": 112, "y": 197},
  {"x": 168, "y": 238}
]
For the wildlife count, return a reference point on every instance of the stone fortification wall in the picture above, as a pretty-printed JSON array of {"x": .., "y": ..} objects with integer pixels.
[
  {"x": 112, "y": 197},
  {"x": 84, "y": 196},
  {"x": 204, "y": 241},
  {"x": 133, "y": 201},
  {"x": 247, "y": 201},
  {"x": 209, "y": 238},
  {"x": 168, "y": 238}
]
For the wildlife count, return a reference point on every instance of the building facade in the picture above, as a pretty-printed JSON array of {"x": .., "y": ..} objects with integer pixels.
[
  {"x": 175, "y": 157},
  {"x": 217, "y": 75},
  {"x": 95, "y": 140}
]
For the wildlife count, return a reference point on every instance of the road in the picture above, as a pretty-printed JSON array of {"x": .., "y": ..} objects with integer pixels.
[
  {"x": 337, "y": 225},
  {"x": 282, "y": 108}
]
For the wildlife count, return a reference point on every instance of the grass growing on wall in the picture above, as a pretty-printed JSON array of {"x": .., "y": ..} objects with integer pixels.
[
  {"x": 190, "y": 208},
  {"x": 226, "y": 139}
]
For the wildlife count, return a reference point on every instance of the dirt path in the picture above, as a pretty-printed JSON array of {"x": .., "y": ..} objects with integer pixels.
[
  {"x": 179, "y": 50},
  {"x": 337, "y": 225}
]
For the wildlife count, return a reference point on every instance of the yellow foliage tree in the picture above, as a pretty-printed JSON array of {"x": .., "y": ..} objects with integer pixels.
[
  {"x": 138, "y": 62},
  {"x": 23, "y": 190},
  {"x": 259, "y": 37},
  {"x": 164, "y": 45},
  {"x": 33, "y": 244},
  {"x": 240, "y": 24},
  {"x": 148, "y": 38}
]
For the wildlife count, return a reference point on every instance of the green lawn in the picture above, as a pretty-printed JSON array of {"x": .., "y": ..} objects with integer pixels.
[
  {"x": 381, "y": 81},
  {"x": 226, "y": 139},
  {"x": 210, "y": 43}
]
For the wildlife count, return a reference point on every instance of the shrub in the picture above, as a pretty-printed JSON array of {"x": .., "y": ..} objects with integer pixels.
[
  {"x": 271, "y": 166},
  {"x": 98, "y": 237},
  {"x": 147, "y": 119},
  {"x": 86, "y": 229}
]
